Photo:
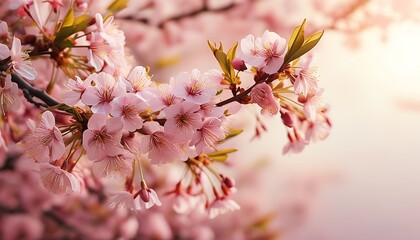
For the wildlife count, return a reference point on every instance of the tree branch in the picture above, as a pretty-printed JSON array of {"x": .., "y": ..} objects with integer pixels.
[
  {"x": 193, "y": 13},
  {"x": 30, "y": 91},
  {"x": 267, "y": 80}
]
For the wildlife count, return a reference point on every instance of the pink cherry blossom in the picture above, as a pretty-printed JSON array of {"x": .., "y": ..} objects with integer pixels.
[
  {"x": 206, "y": 137},
  {"x": 162, "y": 147},
  {"x": 9, "y": 98},
  {"x": 183, "y": 118},
  {"x": 273, "y": 51},
  {"x": 148, "y": 198},
  {"x": 75, "y": 89},
  {"x": 163, "y": 97},
  {"x": 56, "y": 180},
  {"x": 317, "y": 131},
  {"x": 101, "y": 52},
  {"x": 216, "y": 78},
  {"x": 312, "y": 105},
  {"x": 122, "y": 199},
  {"x": 20, "y": 62},
  {"x": 262, "y": 95},
  {"x": 194, "y": 87},
  {"x": 128, "y": 107},
  {"x": 103, "y": 136},
  {"x": 266, "y": 53},
  {"x": 120, "y": 164},
  {"x": 109, "y": 31},
  {"x": 209, "y": 109},
  {"x": 250, "y": 49},
  {"x": 305, "y": 82},
  {"x": 45, "y": 142},
  {"x": 183, "y": 203},
  {"x": 296, "y": 142},
  {"x": 104, "y": 91},
  {"x": 221, "y": 206},
  {"x": 138, "y": 80},
  {"x": 107, "y": 45}
]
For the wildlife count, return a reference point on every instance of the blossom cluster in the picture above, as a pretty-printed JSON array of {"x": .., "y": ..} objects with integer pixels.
[{"x": 97, "y": 118}]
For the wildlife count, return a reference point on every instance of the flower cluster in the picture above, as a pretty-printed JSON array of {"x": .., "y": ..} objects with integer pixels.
[{"x": 111, "y": 122}]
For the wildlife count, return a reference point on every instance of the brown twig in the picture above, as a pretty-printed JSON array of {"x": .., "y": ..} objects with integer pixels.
[
  {"x": 243, "y": 94},
  {"x": 31, "y": 91},
  {"x": 204, "y": 9}
]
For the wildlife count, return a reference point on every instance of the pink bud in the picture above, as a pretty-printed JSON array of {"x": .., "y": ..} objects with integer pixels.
[
  {"x": 302, "y": 99},
  {"x": 287, "y": 119},
  {"x": 144, "y": 195},
  {"x": 229, "y": 182},
  {"x": 21, "y": 11},
  {"x": 239, "y": 64}
]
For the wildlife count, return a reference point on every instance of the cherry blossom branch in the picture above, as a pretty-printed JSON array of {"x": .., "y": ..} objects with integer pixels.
[
  {"x": 243, "y": 94},
  {"x": 236, "y": 97},
  {"x": 30, "y": 91},
  {"x": 193, "y": 13},
  {"x": 27, "y": 89}
]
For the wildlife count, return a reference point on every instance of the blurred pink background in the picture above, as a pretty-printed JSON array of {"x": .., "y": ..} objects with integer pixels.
[{"x": 363, "y": 181}]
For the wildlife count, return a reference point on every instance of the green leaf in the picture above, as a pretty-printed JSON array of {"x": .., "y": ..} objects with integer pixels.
[
  {"x": 232, "y": 133},
  {"x": 117, "y": 5},
  {"x": 79, "y": 24},
  {"x": 83, "y": 19},
  {"x": 222, "y": 152},
  {"x": 296, "y": 41},
  {"x": 231, "y": 54},
  {"x": 309, "y": 43},
  {"x": 69, "y": 18},
  {"x": 212, "y": 47},
  {"x": 225, "y": 61},
  {"x": 230, "y": 57},
  {"x": 219, "y": 158},
  {"x": 222, "y": 59}
]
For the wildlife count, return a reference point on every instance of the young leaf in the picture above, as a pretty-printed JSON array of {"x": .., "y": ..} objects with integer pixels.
[
  {"x": 69, "y": 18},
  {"x": 79, "y": 24},
  {"x": 309, "y": 43},
  {"x": 222, "y": 59},
  {"x": 296, "y": 41},
  {"x": 231, "y": 54},
  {"x": 232, "y": 133},
  {"x": 219, "y": 158},
  {"x": 117, "y": 5},
  {"x": 222, "y": 152},
  {"x": 230, "y": 57},
  {"x": 225, "y": 62},
  {"x": 212, "y": 47}
]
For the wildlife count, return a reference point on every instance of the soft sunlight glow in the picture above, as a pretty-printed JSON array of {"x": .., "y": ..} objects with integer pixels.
[{"x": 402, "y": 56}]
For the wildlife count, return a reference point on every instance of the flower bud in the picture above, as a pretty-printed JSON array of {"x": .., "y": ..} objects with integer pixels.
[
  {"x": 287, "y": 119},
  {"x": 144, "y": 192},
  {"x": 229, "y": 182},
  {"x": 239, "y": 64},
  {"x": 144, "y": 195}
]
